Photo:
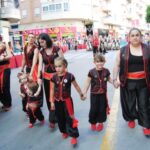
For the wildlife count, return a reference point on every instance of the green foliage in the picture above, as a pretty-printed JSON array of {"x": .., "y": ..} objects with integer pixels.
[{"x": 148, "y": 14}]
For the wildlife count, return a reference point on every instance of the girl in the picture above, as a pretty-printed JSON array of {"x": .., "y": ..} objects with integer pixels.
[
  {"x": 46, "y": 57},
  {"x": 61, "y": 100},
  {"x": 33, "y": 104},
  {"x": 23, "y": 84},
  {"x": 97, "y": 78}
]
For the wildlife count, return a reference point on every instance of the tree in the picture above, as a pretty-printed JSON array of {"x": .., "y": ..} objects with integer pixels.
[{"x": 148, "y": 14}]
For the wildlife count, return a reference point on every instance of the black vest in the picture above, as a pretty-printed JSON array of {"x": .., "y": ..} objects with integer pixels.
[
  {"x": 124, "y": 57},
  {"x": 97, "y": 86}
]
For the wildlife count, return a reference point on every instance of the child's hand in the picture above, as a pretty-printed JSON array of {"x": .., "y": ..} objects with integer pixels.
[
  {"x": 52, "y": 106},
  {"x": 83, "y": 97},
  {"x": 39, "y": 81},
  {"x": 27, "y": 107},
  {"x": 22, "y": 95},
  {"x": 37, "y": 93},
  {"x": 116, "y": 84},
  {"x": 1, "y": 58}
]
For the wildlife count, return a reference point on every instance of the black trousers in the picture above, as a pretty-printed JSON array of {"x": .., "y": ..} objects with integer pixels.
[
  {"x": 5, "y": 95},
  {"x": 65, "y": 122},
  {"x": 24, "y": 103},
  {"x": 36, "y": 114},
  {"x": 52, "y": 115},
  {"x": 95, "y": 50},
  {"x": 135, "y": 103},
  {"x": 98, "y": 108}
]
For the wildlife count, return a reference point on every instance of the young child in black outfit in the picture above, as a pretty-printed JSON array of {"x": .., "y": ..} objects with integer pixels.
[
  {"x": 34, "y": 103},
  {"x": 61, "y": 100},
  {"x": 97, "y": 78},
  {"x": 23, "y": 86}
]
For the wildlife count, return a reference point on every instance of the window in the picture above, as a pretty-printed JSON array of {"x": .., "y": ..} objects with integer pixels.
[
  {"x": 7, "y": 3},
  {"x": 45, "y": 8},
  {"x": 66, "y": 7},
  {"x": 24, "y": 13},
  {"x": 37, "y": 11},
  {"x": 58, "y": 7},
  {"x": 52, "y": 8}
]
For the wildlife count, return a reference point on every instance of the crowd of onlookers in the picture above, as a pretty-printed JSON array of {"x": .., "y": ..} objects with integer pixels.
[{"x": 86, "y": 42}]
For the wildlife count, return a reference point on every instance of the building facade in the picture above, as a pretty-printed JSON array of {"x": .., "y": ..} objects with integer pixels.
[
  {"x": 69, "y": 18},
  {"x": 9, "y": 13}
]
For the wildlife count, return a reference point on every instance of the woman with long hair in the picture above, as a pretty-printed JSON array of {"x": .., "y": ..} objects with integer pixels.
[{"x": 47, "y": 56}]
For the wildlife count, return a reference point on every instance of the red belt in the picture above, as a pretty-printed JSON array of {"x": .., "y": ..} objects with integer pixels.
[
  {"x": 136, "y": 75},
  {"x": 47, "y": 76},
  {"x": 2, "y": 68}
]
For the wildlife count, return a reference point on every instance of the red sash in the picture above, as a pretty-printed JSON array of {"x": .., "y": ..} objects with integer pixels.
[{"x": 2, "y": 68}]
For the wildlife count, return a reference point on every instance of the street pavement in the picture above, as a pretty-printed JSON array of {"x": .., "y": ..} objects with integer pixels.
[{"x": 15, "y": 134}]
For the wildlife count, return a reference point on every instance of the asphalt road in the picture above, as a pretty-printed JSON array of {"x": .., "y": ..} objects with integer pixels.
[{"x": 15, "y": 134}]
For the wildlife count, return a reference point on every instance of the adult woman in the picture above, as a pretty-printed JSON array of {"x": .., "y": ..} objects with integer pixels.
[
  {"x": 30, "y": 57},
  {"x": 5, "y": 95},
  {"x": 30, "y": 63},
  {"x": 47, "y": 56},
  {"x": 133, "y": 66}
]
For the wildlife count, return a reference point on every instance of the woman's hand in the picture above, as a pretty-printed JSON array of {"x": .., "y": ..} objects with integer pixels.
[
  {"x": 52, "y": 106},
  {"x": 116, "y": 84}
]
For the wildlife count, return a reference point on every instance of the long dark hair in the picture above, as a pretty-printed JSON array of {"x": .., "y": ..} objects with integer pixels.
[{"x": 46, "y": 37}]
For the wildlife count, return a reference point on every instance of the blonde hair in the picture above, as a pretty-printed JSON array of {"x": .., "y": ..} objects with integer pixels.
[{"x": 62, "y": 60}]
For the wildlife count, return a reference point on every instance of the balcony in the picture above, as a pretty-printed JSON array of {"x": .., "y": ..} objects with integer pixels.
[
  {"x": 112, "y": 21},
  {"x": 106, "y": 7},
  {"x": 10, "y": 14}
]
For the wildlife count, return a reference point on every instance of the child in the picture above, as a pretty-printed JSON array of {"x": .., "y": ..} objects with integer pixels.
[
  {"x": 23, "y": 86},
  {"x": 33, "y": 104},
  {"x": 61, "y": 100},
  {"x": 97, "y": 78}
]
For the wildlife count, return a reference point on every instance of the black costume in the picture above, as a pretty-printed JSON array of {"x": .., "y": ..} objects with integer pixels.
[
  {"x": 135, "y": 85},
  {"x": 98, "y": 97},
  {"x": 35, "y": 113},
  {"x": 64, "y": 104},
  {"x": 49, "y": 70},
  {"x": 5, "y": 95}
]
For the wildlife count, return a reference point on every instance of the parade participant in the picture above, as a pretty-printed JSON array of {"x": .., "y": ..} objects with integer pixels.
[
  {"x": 34, "y": 103},
  {"x": 61, "y": 100},
  {"x": 30, "y": 58},
  {"x": 23, "y": 86},
  {"x": 133, "y": 65},
  {"x": 23, "y": 80},
  {"x": 97, "y": 78},
  {"x": 47, "y": 56},
  {"x": 5, "y": 95},
  {"x": 95, "y": 43}
]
